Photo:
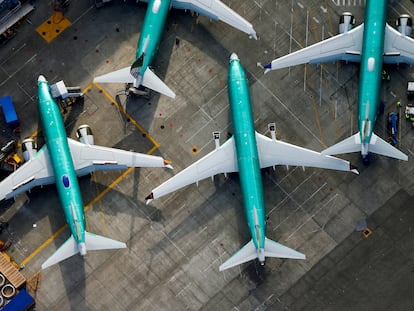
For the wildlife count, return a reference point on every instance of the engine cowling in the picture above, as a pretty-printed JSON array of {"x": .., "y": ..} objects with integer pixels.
[
  {"x": 346, "y": 22},
  {"x": 29, "y": 148},
  {"x": 85, "y": 135},
  {"x": 404, "y": 24}
]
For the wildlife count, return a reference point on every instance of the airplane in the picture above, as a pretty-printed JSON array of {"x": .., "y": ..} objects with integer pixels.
[
  {"x": 372, "y": 43},
  {"x": 139, "y": 74},
  {"x": 61, "y": 160},
  {"x": 247, "y": 152}
]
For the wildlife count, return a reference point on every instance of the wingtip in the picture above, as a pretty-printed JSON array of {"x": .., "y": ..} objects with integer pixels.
[
  {"x": 267, "y": 67},
  {"x": 167, "y": 164},
  {"x": 353, "y": 169},
  {"x": 149, "y": 198}
]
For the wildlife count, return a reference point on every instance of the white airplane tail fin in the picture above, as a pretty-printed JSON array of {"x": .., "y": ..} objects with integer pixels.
[
  {"x": 380, "y": 146},
  {"x": 119, "y": 76},
  {"x": 151, "y": 81},
  {"x": 97, "y": 242},
  {"x": 271, "y": 249},
  {"x": 277, "y": 250},
  {"x": 376, "y": 145},
  {"x": 70, "y": 248}
]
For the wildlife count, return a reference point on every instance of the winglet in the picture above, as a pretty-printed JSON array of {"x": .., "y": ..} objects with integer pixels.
[
  {"x": 167, "y": 164},
  {"x": 149, "y": 198},
  {"x": 267, "y": 67},
  {"x": 353, "y": 169}
]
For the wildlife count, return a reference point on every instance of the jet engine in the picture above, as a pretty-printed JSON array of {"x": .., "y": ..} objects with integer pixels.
[
  {"x": 346, "y": 22},
  {"x": 404, "y": 24},
  {"x": 84, "y": 134},
  {"x": 29, "y": 148}
]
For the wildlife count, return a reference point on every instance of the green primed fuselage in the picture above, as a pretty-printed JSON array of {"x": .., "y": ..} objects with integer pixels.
[
  {"x": 65, "y": 177},
  {"x": 371, "y": 66},
  {"x": 247, "y": 154},
  {"x": 151, "y": 31}
]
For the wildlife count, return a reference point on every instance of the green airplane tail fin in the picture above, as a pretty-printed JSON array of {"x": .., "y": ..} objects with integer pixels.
[{"x": 136, "y": 66}]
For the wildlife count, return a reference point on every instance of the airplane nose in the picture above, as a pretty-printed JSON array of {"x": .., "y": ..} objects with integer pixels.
[
  {"x": 41, "y": 79},
  {"x": 234, "y": 57}
]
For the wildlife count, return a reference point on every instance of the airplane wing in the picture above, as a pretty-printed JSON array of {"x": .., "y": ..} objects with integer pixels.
[
  {"x": 275, "y": 152},
  {"x": 36, "y": 172},
  {"x": 397, "y": 47},
  {"x": 221, "y": 160},
  {"x": 346, "y": 46},
  {"x": 90, "y": 158},
  {"x": 216, "y": 10}
]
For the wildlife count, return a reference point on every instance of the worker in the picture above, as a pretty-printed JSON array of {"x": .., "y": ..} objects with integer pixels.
[
  {"x": 398, "y": 103},
  {"x": 412, "y": 117},
  {"x": 385, "y": 75}
]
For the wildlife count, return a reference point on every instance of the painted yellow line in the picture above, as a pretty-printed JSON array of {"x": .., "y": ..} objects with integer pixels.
[
  {"x": 107, "y": 189},
  {"x": 139, "y": 127},
  {"x": 41, "y": 247}
]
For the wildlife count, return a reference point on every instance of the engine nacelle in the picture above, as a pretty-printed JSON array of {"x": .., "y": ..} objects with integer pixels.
[
  {"x": 404, "y": 24},
  {"x": 346, "y": 22},
  {"x": 84, "y": 134},
  {"x": 29, "y": 148}
]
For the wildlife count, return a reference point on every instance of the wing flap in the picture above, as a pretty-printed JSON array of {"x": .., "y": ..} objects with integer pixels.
[
  {"x": 36, "y": 172},
  {"x": 90, "y": 158},
  {"x": 217, "y": 10},
  {"x": 220, "y": 160}
]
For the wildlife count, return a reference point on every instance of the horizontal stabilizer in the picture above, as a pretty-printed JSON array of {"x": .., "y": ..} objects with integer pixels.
[
  {"x": 96, "y": 242},
  {"x": 68, "y": 249},
  {"x": 376, "y": 145},
  {"x": 119, "y": 76},
  {"x": 245, "y": 254},
  {"x": 380, "y": 146},
  {"x": 271, "y": 249},
  {"x": 150, "y": 80},
  {"x": 348, "y": 145},
  {"x": 274, "y": 249}
]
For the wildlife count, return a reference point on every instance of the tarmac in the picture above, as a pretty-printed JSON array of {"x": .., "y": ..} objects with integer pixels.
[{"x": 176, "y": 244}]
